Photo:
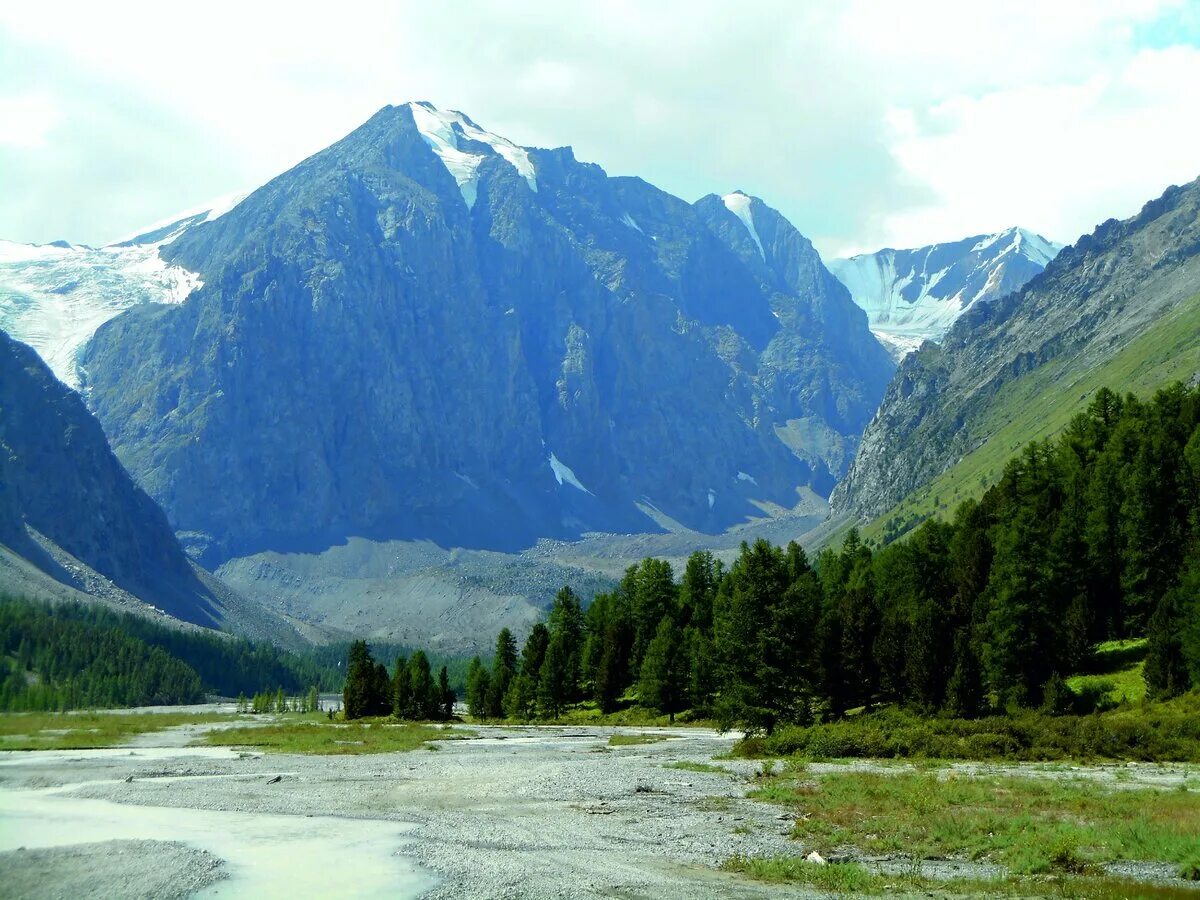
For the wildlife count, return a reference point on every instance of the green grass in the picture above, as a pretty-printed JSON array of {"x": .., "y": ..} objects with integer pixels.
[
  {"x": 689, "y": 766},
  {"x": 1115, "y": 675},
  {"x": 334, "y": 739},
  {"x": 849, "y": 878},
  {"x": 1028, "y": 825},
  {"x": 84, "y": 731},
  {"x": 589, "y": 713},
  {"x": 842, "y": 878},
  {"x": 1153, "y": 732},
  {"x": 628, "y": 740},
  {"x": 1041, "y": 403}
]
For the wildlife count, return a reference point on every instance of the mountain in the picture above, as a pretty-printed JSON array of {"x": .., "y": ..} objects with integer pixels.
[
  {"x": 427, "y": 332},
  {"x": 1120, "y": 308},
  {"x": 54, "y": 296},
  {"x": 73, "y": 523},
  {"x": 912, "y": 296}
]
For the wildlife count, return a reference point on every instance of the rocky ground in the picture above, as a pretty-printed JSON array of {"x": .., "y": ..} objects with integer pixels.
[
  {"x": 162, "y": 870},
  {"x": 546, "y": 812},
  {"x": 514, "y": 812}
]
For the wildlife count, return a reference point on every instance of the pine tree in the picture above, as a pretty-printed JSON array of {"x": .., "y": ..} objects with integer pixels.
[
  {"x": 566, "y": 620},
  {"x": 504, "y": 669},
  {"x": 654, "y": 595},
  {"x": 1166, "y": 669},
  {"x": 964, "y": 692},
  {"x": 403, "y": 699},
  {"x": 753, "y": 691},
  {"x": 664, "y": 674},
  {"x": 698, "y": 589},
  {"x": 446, "y": 696},
  {"x": 360, "y": 670},
  {"x": 521, "y": 697},
  {"x": 478, "y": 683},
  {"x": 552, "y": 678},
  {"x": 425, "y": 699}
]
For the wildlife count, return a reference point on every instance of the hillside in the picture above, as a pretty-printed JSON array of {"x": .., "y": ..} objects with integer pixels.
[
  {"x": 73, "y": 525},
  {"x": 1117, "y": 309}
]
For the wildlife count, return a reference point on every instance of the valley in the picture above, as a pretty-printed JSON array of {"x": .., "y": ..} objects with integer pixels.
[
  {"x": 537, "y": 811},
  {"x": 758, "y": 457}
]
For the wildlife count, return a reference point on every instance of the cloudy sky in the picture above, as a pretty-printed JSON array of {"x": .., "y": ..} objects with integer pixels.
[{"x": 867, "y": 123}]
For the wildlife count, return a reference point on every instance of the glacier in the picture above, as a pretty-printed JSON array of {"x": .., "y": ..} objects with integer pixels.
[
  {"x": 911, "y": 296},
  {"x": 54, "y": 296}
]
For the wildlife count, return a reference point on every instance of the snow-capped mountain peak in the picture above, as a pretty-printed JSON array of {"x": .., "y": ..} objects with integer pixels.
[
  {"x": 446, "y": 131},
  {"x": 911, "y": 296}
]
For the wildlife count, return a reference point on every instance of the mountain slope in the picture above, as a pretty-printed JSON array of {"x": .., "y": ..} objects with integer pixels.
[
  {"x": 915, "y": 295},
  {"x": 73, "y": 523},
  {"x": 425, "y": 331},
  {"x": 1118, "y": 308}
]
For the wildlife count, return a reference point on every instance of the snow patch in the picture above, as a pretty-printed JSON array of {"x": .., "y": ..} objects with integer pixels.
[
  {"x": 442, "y": 131},
  {"x": 712, "y": 498},
  {"x": 739, "y": 204},
  {"x": 742, "y": 476},
  {"x": 627, "y": 219},
  {"x": 564, "y": 475}
]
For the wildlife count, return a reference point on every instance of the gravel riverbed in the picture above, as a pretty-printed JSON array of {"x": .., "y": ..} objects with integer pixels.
[{"x": 512, "y": 812}]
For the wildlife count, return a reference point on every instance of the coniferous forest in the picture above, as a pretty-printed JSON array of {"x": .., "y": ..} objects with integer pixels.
[
  {"x": 1091, "y": 537},
  {"x": 72, "y": 656}
]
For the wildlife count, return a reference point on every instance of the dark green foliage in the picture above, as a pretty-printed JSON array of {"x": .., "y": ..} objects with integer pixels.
[
  {"x": 1169, "y": 731},
  {"x": 552, "y": 686},
  {"x": 566, "y": 622},
  {"x": 664, "y": 677},
  {"x": 478, "y": 684},
  {"x": 1086, "y": 539},
  {"x": 651, "y": 590},
  {"x": 366, "y": 692},
  {"x": 225, "y": 665},
  {"x": 504, "y": 669},
  {"x": 56, "y": 658}
]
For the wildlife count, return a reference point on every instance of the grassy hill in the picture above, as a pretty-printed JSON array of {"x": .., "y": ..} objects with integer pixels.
[{"x": 1042, "y": 402}]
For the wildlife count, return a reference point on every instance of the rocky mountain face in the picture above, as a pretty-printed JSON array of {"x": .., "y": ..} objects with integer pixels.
[
  {"x": 1091, "y": 301},
  {"x": 427, "y": 332},
  {"x": 65, "y": 500},
  {"x": 912, "y": 296}
]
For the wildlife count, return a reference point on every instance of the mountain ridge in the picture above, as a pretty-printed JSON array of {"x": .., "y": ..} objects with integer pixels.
[
  {"x": 914, "y": 295},
  {"x": 767, "y": 342},
  {"x": 1092, "y": 300}
]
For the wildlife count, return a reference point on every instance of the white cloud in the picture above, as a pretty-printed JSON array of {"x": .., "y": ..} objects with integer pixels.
[
  {"x": 26, "y": 120},
  {"x": 865, "y": 122},
  {"x": 1057, "y": 158}
]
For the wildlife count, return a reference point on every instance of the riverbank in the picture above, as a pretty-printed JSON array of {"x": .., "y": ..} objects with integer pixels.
[{"x": 512, "y": 812}]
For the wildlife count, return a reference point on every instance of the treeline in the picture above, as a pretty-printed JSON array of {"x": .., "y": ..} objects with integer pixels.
[
  {"x": 227, "y": 665},
  {"x": 330, "y": 661},
  {"x": 75, "y": 655},
  {"x": 279, "y": 702},
  {"x": 409, "y": 692},
  {"x": 52, "y": 662},
  {"x": 1090, "y": 537}
]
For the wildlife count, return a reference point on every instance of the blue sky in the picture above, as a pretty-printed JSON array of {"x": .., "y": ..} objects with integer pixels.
[{"x": 868, "y": 124}]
